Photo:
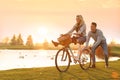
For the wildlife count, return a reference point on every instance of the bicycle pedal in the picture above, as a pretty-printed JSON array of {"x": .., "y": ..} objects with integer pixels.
[{"x": 75, "y": 61}]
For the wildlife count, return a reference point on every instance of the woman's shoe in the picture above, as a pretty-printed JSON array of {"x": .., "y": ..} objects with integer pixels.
[{"x": 55, "y": 43}]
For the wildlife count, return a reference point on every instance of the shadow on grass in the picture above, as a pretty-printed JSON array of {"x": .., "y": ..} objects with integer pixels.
[
  {"x": 103, "y": 74},
  {"x": 91, "y": 74},
  {"x": 113, "y": 68},
  {"x": 68, "y": 76},
  {"x": 73, "y": 76},
  {"x": 97, "y": 74},
  {"x": 60, "y": 76}
]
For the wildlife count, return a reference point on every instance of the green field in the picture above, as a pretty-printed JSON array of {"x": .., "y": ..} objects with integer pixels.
[
  {"x": 115, "y": 51},
  {"x": 74, "y": 73}
]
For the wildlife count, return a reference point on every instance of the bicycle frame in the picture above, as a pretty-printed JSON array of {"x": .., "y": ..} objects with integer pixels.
[{"x": 64, "y": 57}]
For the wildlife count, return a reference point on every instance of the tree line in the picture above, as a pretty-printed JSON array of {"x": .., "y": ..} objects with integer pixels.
[{"x": 19, "y": 41}]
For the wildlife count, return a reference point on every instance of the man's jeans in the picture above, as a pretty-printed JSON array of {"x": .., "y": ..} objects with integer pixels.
[{"x": 103, "y": 44}]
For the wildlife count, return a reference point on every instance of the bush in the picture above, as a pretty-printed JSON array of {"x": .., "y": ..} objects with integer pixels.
[{"x": 100, "y": 53}]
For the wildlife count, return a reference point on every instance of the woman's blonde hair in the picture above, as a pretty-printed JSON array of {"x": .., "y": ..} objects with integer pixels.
[{"x": 81, "y": 18}]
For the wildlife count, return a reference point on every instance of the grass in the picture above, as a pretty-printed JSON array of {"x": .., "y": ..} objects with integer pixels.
[
  {"x": 115, "y": 51},
  {"x": 74, "y": 73}
]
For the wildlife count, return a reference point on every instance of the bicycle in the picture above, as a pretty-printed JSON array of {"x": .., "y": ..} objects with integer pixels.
[{"x": 65, "y": 55}]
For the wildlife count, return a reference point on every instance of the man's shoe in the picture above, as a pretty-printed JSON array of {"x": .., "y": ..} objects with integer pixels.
[
  {"x": 55, "y": 43},
  {"x": 75, "y": 61},
  {"x": 93, "y": 66},
  {"x": 106, "y": 66}
]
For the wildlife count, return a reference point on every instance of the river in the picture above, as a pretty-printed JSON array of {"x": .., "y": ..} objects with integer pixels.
[{"x": 12, "y": 59}]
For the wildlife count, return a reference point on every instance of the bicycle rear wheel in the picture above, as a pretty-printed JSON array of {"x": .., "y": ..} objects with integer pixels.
[
  {"x": 85, "y": 59},
  {"x": 62, "y": 60}
]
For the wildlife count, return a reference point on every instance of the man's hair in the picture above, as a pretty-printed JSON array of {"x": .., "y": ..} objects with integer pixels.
[{"x": 93, "y": 23}]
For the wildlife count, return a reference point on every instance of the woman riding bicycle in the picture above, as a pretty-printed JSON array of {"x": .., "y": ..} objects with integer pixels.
[{"x": 80, "y": 28}]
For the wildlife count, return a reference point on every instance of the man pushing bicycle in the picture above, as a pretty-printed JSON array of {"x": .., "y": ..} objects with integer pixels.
[{"x": 100, "y": 40}]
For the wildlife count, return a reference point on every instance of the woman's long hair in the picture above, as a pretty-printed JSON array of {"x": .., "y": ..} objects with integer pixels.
[
  {"x": 81, "y": 18},
  {"x": 79, "y": 24}
]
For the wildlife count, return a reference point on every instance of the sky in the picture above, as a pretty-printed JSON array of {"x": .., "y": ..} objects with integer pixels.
[{"x": 47, "y": 19}]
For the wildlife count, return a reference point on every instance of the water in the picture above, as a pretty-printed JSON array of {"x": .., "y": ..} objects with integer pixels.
[{"x": 12, "y": 59}]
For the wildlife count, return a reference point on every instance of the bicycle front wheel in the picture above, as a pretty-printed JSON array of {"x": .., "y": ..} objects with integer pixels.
[
  {"x": 62, "y": 60},
  {"x": 85, "y": 59}
]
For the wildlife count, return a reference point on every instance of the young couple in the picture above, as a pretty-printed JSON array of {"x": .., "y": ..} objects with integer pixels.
[{"x": 96, "y": 34}]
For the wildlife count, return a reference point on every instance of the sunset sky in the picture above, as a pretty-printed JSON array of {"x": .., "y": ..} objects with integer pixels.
[{"x": 47, "y": 19}]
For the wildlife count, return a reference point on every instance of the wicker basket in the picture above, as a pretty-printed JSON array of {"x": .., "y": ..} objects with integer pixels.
[{"x": 65, "y": 39}]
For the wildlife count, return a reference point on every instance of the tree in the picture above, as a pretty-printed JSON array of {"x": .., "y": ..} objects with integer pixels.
[
  {"x": 112, "y": 43},
  {"x": 5, "y": 40},
  {"x": 100, "y": 52},
  {"x": 13, "y": 40},
  {"x": 19, "y": 40},
  {"x": 29, "y": 41}
]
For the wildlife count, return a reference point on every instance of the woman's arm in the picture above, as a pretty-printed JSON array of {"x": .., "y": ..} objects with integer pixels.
[
  {"x": 70, "y": 32},
  {"x": 99, "y": 39}
]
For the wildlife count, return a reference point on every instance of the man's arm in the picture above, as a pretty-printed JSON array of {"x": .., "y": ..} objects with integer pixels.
[
  {"x": 88, "y": 38},
  {"x": 99, "y": 39}
]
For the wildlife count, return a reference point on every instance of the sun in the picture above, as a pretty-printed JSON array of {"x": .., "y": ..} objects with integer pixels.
[{"x": 43, "y": 33}]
